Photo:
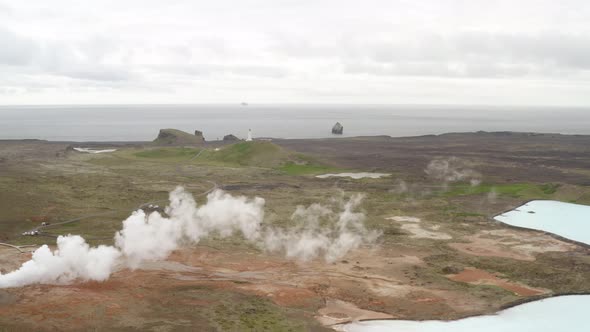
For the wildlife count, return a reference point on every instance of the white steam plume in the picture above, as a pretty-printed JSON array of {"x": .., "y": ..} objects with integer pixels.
[
  {"x": 154, "y": 237},
  {"x": 72, "y": 260},
  {"x": 340, "y": 233},
  {"x": 319, "y": 231}
]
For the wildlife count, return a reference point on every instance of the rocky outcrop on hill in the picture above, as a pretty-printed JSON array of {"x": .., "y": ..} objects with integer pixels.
[
  {"x": 230, "y": 138},
  {"x": 199, "y": 133},
  {"x": 178, "y": 137},
  {"x": 337, "y": 129}
]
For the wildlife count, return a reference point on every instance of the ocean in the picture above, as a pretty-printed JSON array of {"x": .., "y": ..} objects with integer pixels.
[{"x": 142, "y": 122}]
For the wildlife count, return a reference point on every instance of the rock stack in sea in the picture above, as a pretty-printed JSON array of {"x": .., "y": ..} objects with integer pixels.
[{"x": 337, "y": 129}]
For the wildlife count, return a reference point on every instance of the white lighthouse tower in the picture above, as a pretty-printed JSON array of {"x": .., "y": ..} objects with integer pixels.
[{"x": 249, "y": 139}]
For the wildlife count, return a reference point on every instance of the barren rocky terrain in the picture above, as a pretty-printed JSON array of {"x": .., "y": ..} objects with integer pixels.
[{"x": 440, "y": 254}]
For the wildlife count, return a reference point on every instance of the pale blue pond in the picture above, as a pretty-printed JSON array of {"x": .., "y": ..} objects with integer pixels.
[
  {"x": 571, "y": 221},
  {"x": 563, "y": 313}
]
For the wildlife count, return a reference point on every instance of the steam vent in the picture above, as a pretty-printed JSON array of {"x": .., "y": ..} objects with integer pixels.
[{"x": 337, "y": 129}]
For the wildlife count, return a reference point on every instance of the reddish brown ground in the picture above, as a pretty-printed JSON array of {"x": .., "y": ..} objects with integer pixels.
[
  {"x": 371, "y": 283},
  {"x": 193, "y": 283},
  {"x": 336, "y": 312},
  {"x": 515, "y": 244},
  {"x": 479, "y": 277}
]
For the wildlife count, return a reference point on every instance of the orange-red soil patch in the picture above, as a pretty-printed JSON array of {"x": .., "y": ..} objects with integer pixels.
[
  {"x": 284, "y": 295},
  {"x": 481, "y": 277},
  {"x": 508, "y": 243}
]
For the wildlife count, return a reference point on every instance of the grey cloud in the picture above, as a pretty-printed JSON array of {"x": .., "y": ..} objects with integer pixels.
[
  {"x": 401, "y": 69},
  {"x": 8, "y": 91},
  {"x": 97, "y": 73},
  {"x": 251, "y": 70},
  {"x": 569, "y": 50},
  {"x": 548, "y": 48},
  {"x": 15, "y": 50},
  {"x": 77, "y": 61},
  {"x": 440, "y": 69},
  {"x": 259, "y": 70},
  {"x": 87, "y": 60},
  {"x": 4, "y": 9},
  {"x": 292, "y": 50},
  {"x": 477, "y": 54},
  {"x": 81, "y": 62}
]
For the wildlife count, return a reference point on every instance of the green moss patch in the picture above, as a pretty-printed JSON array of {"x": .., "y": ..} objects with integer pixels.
[
  {"x": 515, "y": 190},
  {"x": 293, "y": 168},
  {"x": 261, "y": 154},
  {"x": 167, "y": 153}
]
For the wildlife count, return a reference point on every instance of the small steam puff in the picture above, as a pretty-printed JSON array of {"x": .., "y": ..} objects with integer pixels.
[
  {"x": 344, "y": 231},
  {"x": 319, "y": 231},
  {"x": 452, "y": 170}
]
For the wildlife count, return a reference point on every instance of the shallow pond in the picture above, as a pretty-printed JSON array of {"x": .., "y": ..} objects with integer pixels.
[
  {"x": 355, "y": 176},
  {"x": 87, "y": 150},
  {"x": 563, "y": 313},
  {"x": 571, "y": 221}
]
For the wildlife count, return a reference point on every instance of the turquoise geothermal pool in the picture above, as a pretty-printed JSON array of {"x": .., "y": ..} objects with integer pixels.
[
  {"x": 571, "y": 221},
  {"x": 563, "y": 313}
]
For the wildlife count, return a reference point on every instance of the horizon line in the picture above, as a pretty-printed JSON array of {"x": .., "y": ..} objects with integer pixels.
[{"x": 248, "y": 104}]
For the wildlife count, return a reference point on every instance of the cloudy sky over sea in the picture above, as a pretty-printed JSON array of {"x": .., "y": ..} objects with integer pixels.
[{"x": 526, "y": 52}]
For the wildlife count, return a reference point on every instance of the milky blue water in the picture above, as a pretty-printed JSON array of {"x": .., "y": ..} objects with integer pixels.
[
  {"x": 568, "y": 220},
  {"x": 142, "y": 122},
  {"x": 563, "y": 313}
]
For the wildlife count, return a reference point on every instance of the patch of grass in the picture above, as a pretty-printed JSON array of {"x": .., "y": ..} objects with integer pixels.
[
  {"x": 583, "y": 199},
  {"x": 293, "y": 168},
  {"x": 550, "y": 270},
  {"x": 168, "y": 153},
  {"x": 515, "y": 190},
  {"x": 463, "y": 189},
  {"x": 549, "y": 188},
  {"x": 301, "y": 164},
  {"x": 468, "y": 214},
  {"x": 262, "y": 154},
  {"x": 250, "y": 313}
]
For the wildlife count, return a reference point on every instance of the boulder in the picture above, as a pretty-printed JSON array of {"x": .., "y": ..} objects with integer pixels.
[
  {"x": 337, "y": 129},
  {"x": 230, "y": 138},
  {"x": 177, "y": 137}
]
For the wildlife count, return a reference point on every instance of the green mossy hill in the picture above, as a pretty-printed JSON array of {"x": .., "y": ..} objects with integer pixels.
[
  {"x": 304, "y": 165},
  {"x": 177, "y": 137},
  {"x": 242, "y": 154},
  {"x": 168, "y": 154},
  {"x": 263, "y": 154}
]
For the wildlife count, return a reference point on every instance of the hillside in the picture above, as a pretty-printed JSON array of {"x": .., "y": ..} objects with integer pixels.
[{"x": 177, "y": 137}]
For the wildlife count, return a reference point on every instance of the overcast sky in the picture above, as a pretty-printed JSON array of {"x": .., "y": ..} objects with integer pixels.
[{"x": 495, "y": 52}]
